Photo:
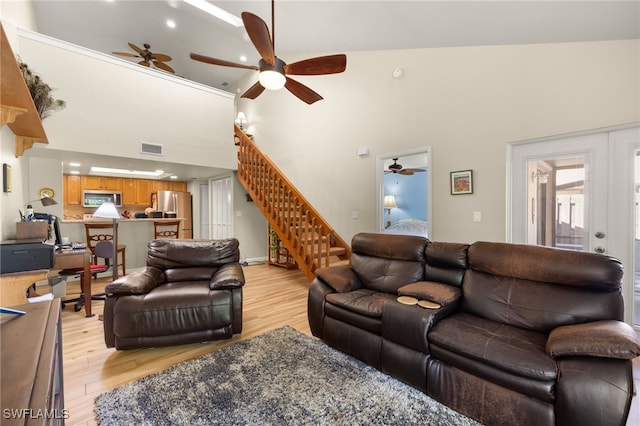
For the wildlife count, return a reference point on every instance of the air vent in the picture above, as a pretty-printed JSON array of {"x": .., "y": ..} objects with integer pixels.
[{"x": 150, "y": 148}]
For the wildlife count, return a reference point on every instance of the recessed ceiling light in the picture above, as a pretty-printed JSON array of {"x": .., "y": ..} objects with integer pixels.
[
  {"x": 74, "y": 172},
  {"x": 173, "y": 177},
  {"x": 74, "y": 164},
  {"x": 171, "y": 23},
  {"x": 243, "y": 58}
]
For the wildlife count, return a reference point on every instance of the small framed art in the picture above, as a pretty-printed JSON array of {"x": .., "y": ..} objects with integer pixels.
[
  {"x": 6, "y": 177},
  {"x": 462, "y": 182}
]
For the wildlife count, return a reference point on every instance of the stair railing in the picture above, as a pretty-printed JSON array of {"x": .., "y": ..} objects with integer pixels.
[{"x": 302, "y": 230}]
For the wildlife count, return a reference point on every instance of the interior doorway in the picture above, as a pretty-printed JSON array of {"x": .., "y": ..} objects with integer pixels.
[{"x": 403, "y": 202}]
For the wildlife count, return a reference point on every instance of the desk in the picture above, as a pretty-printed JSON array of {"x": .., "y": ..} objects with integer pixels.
[
  {"x": 13, "y": 286},
  {"x": 77, "y": 259}
]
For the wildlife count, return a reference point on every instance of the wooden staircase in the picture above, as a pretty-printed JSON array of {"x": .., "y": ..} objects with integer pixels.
[{"x": 308, "y": 237}]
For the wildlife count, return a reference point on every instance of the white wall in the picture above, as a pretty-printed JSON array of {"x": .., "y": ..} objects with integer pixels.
[
  {"x": 466, "y": 103},
  {"x": 113, "y": 105}
]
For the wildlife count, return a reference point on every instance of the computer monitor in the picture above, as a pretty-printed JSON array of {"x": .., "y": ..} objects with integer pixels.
[{"x": 54, "y": 223}]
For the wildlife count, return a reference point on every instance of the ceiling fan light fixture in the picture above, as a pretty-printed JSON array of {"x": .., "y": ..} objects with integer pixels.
[{"x": 272, "y": 77}]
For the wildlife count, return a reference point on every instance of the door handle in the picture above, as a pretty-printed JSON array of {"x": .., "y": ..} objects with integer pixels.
[
  {"x": 600, "y": 235},
  {"x": 599, "y": 250}
]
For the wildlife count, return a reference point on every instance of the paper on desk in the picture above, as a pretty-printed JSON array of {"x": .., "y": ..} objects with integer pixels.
[{"x": 43, "y": 298}]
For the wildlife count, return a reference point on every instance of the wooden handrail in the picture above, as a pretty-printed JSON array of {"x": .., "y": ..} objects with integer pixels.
[{"x": 302, "y": 230}]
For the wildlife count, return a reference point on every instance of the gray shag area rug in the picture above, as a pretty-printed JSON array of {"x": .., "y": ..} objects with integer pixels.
[{"x": 282, "y": 377}]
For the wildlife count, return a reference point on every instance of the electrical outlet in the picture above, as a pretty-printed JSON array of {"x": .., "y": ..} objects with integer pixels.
[
  {"x": 354, "y": 215},
  {"x": 477, "y": 217}
]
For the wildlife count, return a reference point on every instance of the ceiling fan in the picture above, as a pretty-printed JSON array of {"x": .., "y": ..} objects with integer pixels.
[
  {"x": 157, "y": 59},
  {"x": 274, "y": 72},
  {"x": 397, "y": 168}
]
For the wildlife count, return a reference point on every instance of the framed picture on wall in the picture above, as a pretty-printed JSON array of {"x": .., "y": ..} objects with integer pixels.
[
  {"x": 6, "y": 177},
  {"x": 462, "y": 182}
]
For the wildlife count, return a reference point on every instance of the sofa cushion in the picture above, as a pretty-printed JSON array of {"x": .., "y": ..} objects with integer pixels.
[
  {"x": 387, "y": 262},
  {"x": 445, "y": 262},
  {"x": 536, "y": 306},
  {"x": 162, "y": 313},
  {"x": 442, "y": 294},
  {"x": 514, "y": 350},
  {"x": 363, "y": 301}
]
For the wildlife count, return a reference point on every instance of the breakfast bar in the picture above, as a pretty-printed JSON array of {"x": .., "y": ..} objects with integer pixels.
[{"x": 134, "y": 233}]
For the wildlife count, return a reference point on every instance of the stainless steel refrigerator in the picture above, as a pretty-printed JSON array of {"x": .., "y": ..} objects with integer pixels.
[{"x": 178, "y": 203}]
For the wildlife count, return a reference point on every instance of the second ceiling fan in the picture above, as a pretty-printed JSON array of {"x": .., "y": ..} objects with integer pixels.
[
  {"x": 398, "y": 168},
  {"x": 274, "y": 72}
]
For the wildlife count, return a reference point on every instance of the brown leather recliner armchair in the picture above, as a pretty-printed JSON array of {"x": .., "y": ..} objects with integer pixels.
[{"x": 190, "y": 291}]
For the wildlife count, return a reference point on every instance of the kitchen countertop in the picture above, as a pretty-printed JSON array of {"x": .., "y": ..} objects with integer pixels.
[{"x": 123, "y": 219}]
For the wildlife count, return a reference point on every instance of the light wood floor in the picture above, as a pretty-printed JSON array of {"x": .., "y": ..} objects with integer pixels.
[{"x": 273, "y": 297}]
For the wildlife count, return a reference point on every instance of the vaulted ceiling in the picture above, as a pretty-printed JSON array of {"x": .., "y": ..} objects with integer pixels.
[{"x": 326, "y": 26}]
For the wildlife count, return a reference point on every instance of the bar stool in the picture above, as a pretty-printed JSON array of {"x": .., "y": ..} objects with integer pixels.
[
  {"x": 166, "y": 229},
  {"x": 97, "y": 232}
]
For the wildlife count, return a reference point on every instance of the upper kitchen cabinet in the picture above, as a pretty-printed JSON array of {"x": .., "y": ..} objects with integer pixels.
[
  {"x": 72, "y": 188},
  {"x": 102, "y": 183},
  {"x": 136, "y": 192},
  {"x": 166, "y": 185}
]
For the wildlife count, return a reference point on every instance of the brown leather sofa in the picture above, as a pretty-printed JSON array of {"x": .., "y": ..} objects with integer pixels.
[
  {"x": 190, "y": 291},
  {"x": 524, "y": 335}
]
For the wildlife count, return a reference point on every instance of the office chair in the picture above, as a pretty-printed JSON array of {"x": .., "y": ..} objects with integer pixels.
[
  {"x": 97, "y": 232},
  {"x": 103, "y": 249},
  {"x": 166, "y": 229}
]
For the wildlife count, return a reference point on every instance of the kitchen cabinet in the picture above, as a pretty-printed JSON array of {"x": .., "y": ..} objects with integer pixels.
[
  {"x": 102, "y": 183},
  {"x": 72, "y": 187},
  {"x": 159, "y": 185},
  {"x": 136, "y": 192},
  {"x": 168, "y": 185}
]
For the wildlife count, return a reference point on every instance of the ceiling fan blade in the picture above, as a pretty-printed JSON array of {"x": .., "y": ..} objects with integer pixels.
[
  {"x": 129, "y": 55},
  {"x": 145, "y": 63},
  {"x": 214, "y": 61},
  {"x": 259, "y": 34},
  {"x": 253, "y": 91},
  {"x": 414, "y": 170},
  {"x": 405, "y": 172},
  {"x": 136, "y": 48},
  {"x": 331, "y": 64},
  {"x": 301, "y": 91},
  {"x": 164, "y": 66},
  {"x": 160, "y": 57}
]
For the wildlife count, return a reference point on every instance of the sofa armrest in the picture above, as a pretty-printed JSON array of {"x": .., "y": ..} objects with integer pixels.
[
  {"x": 607, "y": 339},
  {"x": 228, "y": 276},
  {"x": 139, "y": 282},
  {"x": 341, "y": 278}
]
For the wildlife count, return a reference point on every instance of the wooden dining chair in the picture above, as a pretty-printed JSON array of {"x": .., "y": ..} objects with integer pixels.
[
  {"x": 97, "y": 232},
  {"x": 166, "y": 229},
  {"x": 103, "y": 249}
]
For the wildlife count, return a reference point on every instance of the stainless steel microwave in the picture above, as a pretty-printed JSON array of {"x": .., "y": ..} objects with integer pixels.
[{"x": 96, "y": 198}]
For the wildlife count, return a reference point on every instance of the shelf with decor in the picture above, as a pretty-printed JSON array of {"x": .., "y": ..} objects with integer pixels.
[
  {"x": 278, "y": 253},
  {"x": 18, "y": 110}
]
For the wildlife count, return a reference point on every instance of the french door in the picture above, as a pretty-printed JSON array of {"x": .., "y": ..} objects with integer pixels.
[{"x": 579, "y": 192}]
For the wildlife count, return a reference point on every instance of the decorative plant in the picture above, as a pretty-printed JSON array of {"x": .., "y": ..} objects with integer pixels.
[{"x": 40, "y": 92}]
